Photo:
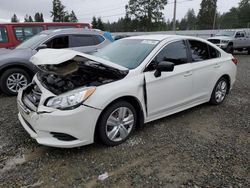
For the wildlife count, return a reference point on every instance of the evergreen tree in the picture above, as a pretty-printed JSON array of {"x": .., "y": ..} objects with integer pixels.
[
  {"x": 230, "y": 20},
  {"x": 37, "y": 17},
  {"x": 94, "y": 22},
  {"x": 191, "y": 19},
  {"x": 30, "y": 19},
  {"x": 58, "y": 13},
  {"x": 26, "y": 18},
  {"x": 100, "y": 24},
  {"x": 72, "y": 17},
  {"x": 146, "y": 11},
  {"x": 41, "y": 17},
  {"x": 244, "y": 13},
  {"x": 206, "y": 14},
  {"x": 14, "y": 18}
]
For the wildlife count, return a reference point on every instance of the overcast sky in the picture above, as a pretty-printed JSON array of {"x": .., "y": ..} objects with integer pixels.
[{"x": 85, "y": 9}]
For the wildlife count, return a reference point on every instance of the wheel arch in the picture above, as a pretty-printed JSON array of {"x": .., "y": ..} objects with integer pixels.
[
  {"x": 227, "y": 77},
  {"x": 17, "y": 65},
  {"x": 134, "y": 102}
]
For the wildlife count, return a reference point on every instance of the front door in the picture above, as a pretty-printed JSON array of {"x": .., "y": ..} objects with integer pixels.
[{"x": 172, "y": 90}]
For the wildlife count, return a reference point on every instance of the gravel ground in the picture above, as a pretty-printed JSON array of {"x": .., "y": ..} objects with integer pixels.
[{"x": 206, "y": 146}]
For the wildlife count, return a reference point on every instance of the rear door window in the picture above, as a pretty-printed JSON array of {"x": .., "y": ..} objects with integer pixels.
[
  {"x": 3, "y": 35},
  {"x": 199, "y": 51},
  {"x": 85, "y": 40},
  {"x": 24, "y": 33},
  {"x": 59, "y": 42}
]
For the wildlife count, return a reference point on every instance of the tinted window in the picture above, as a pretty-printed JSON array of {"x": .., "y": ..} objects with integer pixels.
[
  {"x": 213, "y": 52},
  {"x": 58, "y": 42},
  {"x": 23, "y": 33},
  {"x": 199, "y": 50},
  {"x": 84, "y": 40},
  {"x": 3, "y": 35},
  {"x": 175, "y": 52},
  {"x": 60, "y": 27},
  {"x": 99, "y": 39}
]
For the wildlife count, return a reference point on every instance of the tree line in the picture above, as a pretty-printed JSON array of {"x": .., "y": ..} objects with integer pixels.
[
  {"x": 58, "y": 14},
  {"x": 145, "y": 15}
]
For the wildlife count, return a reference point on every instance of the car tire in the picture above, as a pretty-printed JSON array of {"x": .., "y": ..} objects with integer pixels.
[
  {"x": 230, "y": 49},
  {"x": 14, "y": 77},
  {"x": 117, "y": 123},
  {"x": 220, "y": 91},
  {"x": 248, "y": 51}
]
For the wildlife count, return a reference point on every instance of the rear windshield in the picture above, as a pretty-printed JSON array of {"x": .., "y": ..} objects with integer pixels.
[
  {"x": 3, "y": 34},
  {"x": 128, "y": 53}
]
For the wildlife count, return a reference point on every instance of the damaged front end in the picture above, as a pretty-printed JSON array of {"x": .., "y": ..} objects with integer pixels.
[{"x": 70, "y": 76}]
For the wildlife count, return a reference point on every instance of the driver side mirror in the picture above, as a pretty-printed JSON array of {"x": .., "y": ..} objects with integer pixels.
[
  {"x": 42, "y": 46},
  {"x": 164, "y": 66}
]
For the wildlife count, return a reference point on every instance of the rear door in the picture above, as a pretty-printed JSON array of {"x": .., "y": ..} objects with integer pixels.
[
  {"x": 172, "y": 90},
  {"x": 205, "y": 66}
]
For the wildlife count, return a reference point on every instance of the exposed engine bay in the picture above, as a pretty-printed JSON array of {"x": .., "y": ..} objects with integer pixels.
[{"x": 73, "y": 74}]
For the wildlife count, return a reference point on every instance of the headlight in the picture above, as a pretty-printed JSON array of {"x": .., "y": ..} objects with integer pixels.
[
  {"x": 70, "y": 99},
  {"x": 225, "y": 41}
]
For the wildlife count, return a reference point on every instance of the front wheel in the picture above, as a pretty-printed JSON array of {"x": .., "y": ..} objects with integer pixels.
[
  {"x": 14, "y": 79},
  {"x": 220, "y": 91},
  {"x": 230, "y": 49},
  {"x": 117, "y": 123}
]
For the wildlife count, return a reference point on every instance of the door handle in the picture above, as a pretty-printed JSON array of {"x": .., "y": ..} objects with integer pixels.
[{"x": 188, "y": 73}]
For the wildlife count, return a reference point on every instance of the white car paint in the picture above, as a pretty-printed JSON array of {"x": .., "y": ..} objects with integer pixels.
[{"x": 188, "y": 85}]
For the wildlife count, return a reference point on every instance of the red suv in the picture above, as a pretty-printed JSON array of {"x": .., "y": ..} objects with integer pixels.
[{"x": 12, "y": 34}]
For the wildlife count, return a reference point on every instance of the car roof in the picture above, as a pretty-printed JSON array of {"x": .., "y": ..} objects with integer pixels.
[
  {"x": 71, "y": 31},
  {"x": 161, "y": 37}
]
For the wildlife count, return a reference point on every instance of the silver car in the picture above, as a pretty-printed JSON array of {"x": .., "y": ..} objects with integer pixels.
[{"x": 16, "y": 71}]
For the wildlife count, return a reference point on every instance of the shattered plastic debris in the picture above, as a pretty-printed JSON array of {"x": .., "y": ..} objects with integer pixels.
[{"x": 104, "y": 176}]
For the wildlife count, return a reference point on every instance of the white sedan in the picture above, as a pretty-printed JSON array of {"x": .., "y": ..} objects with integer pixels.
[{"x": 76, "y": 99}]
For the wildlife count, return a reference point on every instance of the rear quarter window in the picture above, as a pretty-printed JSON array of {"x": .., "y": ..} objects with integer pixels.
[
  {"x": 3, "y": 35},
  {"x": 213, "y": 52},
  {"x": 85, "y": 40}
]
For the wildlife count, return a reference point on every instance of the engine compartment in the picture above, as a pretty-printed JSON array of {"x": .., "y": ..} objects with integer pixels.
[{"x": 72, "y": 75}]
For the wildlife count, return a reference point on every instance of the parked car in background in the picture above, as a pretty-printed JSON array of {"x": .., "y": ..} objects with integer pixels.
[
  {"x": 16, "y": 71},
  {"x": 118, "y": 37},
  {"x": 76, "y": 97},
  {"x": 12, "y": 34},
  {"x": 232, "y": 40}
]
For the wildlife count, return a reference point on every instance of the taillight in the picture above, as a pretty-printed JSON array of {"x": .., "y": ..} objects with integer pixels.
[{"x": 235, "y": 61}]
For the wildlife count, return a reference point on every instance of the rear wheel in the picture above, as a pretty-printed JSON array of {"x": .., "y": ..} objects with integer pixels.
[
  {"x": 14, "y": 79},
  {"x": 248, "y": 51},
  {"x": 117, "y": 123},
  {"x": 220, "y": 91}
]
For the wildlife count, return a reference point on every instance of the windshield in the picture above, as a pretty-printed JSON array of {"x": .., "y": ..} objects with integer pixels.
[
  {"x": 128, "y": 53},
  {"x": 32, "y": 41},
  {"x": 225, "y": 33}
]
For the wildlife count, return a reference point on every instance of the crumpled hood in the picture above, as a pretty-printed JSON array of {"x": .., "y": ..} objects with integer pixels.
[
  {"x": 220, "y": 38},
  {"x": 59, "y": 56}
]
